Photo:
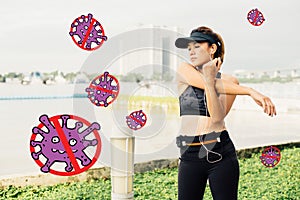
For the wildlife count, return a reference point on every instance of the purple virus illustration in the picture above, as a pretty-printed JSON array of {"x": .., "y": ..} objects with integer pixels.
[
  {"x": 88, "y": 31},
  {"x": 61, "y": 143},
  {"x": 103, "y": 90},
  {"x": 255, "y": 17},
  {"x": 270, "y": 156},
  {"x": 136, "y": 120}
]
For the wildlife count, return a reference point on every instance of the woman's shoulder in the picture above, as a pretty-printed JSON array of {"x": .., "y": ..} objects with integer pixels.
[
  {"x": 183, "y": 69},
  {"x": 230, "y": 78}
]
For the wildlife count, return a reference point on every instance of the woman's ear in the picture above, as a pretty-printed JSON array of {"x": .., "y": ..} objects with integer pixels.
[{"x": 213, "y": 49}]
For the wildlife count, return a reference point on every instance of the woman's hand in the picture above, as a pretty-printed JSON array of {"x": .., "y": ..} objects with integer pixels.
[
  {"x": 263, "y": 101},
  {"x": 210, "y": 70}
]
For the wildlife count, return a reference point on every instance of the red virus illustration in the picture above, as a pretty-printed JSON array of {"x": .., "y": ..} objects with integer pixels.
[
  {"x": 255, "y": 17},
  {"x": 136, "y": 120},
  {"x": 63, "y": 144},
  {"x": 87, "y": 33},
  {"x": 270, "y": 157},
  {"x": 103, "y": 90}
]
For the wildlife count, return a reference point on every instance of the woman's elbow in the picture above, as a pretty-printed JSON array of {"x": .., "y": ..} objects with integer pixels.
[
  {"x": 235, "y": 80},
  {"x": 217, "y": 119}
]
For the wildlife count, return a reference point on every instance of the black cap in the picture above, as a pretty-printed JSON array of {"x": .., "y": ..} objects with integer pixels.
[{"x": 195, "y": 37}]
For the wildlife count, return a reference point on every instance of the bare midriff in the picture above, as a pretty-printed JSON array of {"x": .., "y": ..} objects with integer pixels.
[{"x": 192, "y": 125}]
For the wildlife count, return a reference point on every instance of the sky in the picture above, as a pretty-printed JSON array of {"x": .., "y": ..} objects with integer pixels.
[{"x": 34, "y": 34}]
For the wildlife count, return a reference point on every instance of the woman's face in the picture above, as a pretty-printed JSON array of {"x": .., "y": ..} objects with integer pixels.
[{"x": 199, "y": 53}]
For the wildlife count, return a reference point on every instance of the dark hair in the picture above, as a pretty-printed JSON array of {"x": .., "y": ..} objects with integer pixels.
[{"x": 220, "y": 48}]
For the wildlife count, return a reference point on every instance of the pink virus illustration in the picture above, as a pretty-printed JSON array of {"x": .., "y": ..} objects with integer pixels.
[
  {"x": 87, "y": 33},
  {"x": 270, "y": 156},
  {"x": 255, "y": 17},
  {"x": 64, "y": 144},
  {"x": 103, "y": 90},
  {"x": 136, "y": 120}
]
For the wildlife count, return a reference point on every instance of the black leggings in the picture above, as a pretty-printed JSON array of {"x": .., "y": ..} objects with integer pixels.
[{"x": 194, "y": 170}]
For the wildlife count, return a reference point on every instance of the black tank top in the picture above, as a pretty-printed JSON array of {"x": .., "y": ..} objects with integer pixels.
[{"x": 193, "y": 102}]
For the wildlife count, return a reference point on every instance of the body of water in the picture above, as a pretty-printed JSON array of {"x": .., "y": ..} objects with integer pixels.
[{"x": 247, "y": 124}]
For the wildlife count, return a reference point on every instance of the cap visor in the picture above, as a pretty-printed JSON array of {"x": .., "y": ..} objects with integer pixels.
[{"x": 183, "y": 42}]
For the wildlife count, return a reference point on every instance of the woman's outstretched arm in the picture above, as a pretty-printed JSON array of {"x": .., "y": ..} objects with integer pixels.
[{"x": 189, "y": 75}]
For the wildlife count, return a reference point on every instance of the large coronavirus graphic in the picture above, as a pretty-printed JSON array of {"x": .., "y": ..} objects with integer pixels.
[
  {"x": 270, "y": 156},
  {"x": 88, "y": 31},
  {"x": 61, "y": 143},
  {"x": 255, "y": 17},
  {"x": 136, "y": 120},
  {"x": 103, "y": 90}
]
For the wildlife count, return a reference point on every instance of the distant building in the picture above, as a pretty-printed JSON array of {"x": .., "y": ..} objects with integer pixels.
[
  {"x": 281, "y": 75},
  {"x": 264, "y": 75},
  {"x": 294, "y": 73},
  {"x": 240, "y": 74},
  {"x": 161, "y": 58},
  {"x": 276, "y": 74}
]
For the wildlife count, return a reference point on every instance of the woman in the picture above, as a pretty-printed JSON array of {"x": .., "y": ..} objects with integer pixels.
[{"x": 206, "y": 97}]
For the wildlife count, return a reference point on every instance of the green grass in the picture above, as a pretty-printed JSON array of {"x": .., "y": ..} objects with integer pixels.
[
  {"x": 170, "y": 105},
  {"x": 256, "y": 182}
]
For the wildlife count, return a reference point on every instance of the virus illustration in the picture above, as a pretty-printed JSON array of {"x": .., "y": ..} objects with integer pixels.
[
  {"x": 270, "y": 156},
  {"x": 88, "y": 31},
  {"x": 255, "y": 17},
  {"x": 103, "y": 90},
  {"x": 61, "y": 143},
  {"x": 136, "y": 120}
]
